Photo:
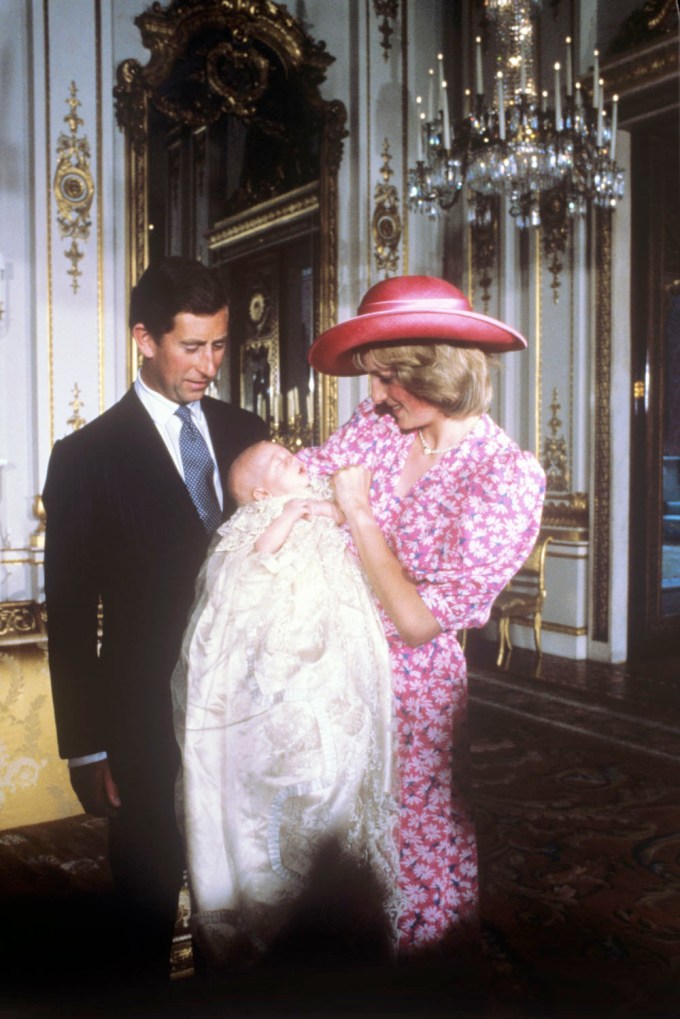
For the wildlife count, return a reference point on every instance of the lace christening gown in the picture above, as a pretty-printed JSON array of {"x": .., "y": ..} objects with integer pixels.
[{"x": 282, "y": 702}]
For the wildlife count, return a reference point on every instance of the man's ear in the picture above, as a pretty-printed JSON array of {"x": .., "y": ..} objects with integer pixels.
[
  {"x": 260, "y": 493},
  {"x": 144, "y": 340}
]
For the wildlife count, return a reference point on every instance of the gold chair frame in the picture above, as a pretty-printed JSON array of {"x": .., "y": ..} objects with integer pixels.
[{"x": 522, "y": 597}]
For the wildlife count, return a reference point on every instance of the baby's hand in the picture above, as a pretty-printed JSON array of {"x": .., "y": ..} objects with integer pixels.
[
  {"x": 325, "y": 508},
  {"x": 296, "y": 509}
]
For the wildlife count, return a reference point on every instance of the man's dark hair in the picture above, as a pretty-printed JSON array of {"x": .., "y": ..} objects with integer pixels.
[{"x": 173, "y": 285}]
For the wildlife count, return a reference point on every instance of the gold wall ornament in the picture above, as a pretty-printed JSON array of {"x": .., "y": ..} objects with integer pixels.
[
  {"x": 387, "y": 10},
  {"x": 73, "y": 186},
  {"x": 484, "y": 227},
  {"x": 386, "y": 222},
  {"x": 76, "y": 421},
  {"x": 555, "y": 455},
  {"x": 21, "y": 622},
  {"x": 556, "y": 228},
  {"x": 75, "y": 256}
]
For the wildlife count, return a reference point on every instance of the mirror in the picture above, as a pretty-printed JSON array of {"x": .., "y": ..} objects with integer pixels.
[{"x": 232, "y": 158}]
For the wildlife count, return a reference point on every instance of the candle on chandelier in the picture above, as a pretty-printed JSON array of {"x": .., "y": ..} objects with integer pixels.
[
  {"x": 430, "y": 95},
  {"x": 466, "y": 103},
  {"x": 501, "y": 107},
  {"x": 558, "y": 98},
  {"x": 275, "y": 403},
  {"x": 479, "y": 79},
  {"x": 544, "y": 101},
  {"x": 596, "y": 78},
  {"x": 293, "y": 403},
  {"x": 579, "y": 96},
  {"x": 615, "y": 124},
  {"x": 600, "y": 117},
  {"x": 419, "y": 127},
  {"x": 310, "y": 408},
  {"x": 568, "y": 77},
  {"x": 445, "y": 116}
]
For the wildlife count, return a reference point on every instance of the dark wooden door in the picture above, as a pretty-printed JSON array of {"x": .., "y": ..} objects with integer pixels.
[{"x": 654, "y": 618}]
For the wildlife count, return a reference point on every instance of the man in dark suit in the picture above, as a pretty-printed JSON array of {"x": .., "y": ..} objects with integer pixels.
[{"x": 129, "y": 520}]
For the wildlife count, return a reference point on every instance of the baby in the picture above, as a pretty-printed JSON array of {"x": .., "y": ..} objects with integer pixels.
[
  {"x": 267, "y": 469},
  {"x": 282, "y": 701}
]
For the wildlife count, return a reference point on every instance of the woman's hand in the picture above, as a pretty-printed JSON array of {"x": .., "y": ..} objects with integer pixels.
[
  {"x": 394, "y": 589},
  {"x": 352, "y": 487}
]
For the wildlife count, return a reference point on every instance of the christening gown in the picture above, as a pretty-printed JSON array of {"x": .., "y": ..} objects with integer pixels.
[
  {"x": 282, "y": 700},
  {"x": 460, "y": 532}
]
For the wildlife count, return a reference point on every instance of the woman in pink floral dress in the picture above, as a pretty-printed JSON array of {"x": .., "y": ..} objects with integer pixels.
[{"x": 443, "y": 508}]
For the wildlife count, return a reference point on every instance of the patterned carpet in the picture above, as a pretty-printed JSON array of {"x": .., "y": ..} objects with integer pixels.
[{"x": 578, "y": 806}]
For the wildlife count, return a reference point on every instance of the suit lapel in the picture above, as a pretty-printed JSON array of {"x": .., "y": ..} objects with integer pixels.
[
  {"x": 220, "y": 437},
  {"x": 143, "y": 447}
]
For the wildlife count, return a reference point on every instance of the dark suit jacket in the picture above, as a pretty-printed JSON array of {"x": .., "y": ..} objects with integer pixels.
[{"x": 121, "y": 526}]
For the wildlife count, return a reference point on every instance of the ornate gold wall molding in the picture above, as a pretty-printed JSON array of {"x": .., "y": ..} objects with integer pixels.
[
  {"x": 252, "y": 223},
  {"x": 22, "y": 622},
  {"x": 555, "y": 453},
  {"x": 484, "y": 243},
  {"x": 76, "y": 419},
  {"x": 387, "y": 10},
  {"x": 556, "y": 231},
  {"x": 73, "y": 186},
  {"x": 237, "y": 49},
  {"x": 565, "y": 517},
  {"x": 602, "y": 453},
  {"x": 386, "y": 220}
]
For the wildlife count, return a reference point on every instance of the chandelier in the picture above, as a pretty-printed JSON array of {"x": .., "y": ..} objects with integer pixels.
[{"x": 511, "y": 141}]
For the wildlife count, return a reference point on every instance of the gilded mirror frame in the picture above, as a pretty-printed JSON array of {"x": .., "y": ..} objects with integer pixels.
[{"x": 240, "y": 28}]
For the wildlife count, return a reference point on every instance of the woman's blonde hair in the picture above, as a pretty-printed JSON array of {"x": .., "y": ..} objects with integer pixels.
[{"x": 454, "y": 378}]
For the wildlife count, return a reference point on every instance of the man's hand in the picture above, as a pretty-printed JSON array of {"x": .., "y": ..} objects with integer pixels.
[{"x": 94, "y": 786}]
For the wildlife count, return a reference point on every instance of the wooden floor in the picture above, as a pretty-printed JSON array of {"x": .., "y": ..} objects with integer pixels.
[{"x": 648, "y": 689}]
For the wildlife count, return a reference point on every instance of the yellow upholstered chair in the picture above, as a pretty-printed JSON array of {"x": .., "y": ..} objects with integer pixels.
[{"x": 522, "y": 598}]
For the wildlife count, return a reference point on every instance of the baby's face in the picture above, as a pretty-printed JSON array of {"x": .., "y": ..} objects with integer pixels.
[{"x": 280, "y": 472}]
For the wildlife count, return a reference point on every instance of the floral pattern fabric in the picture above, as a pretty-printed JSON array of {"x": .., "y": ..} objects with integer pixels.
[{"x": 462, "y": 530}]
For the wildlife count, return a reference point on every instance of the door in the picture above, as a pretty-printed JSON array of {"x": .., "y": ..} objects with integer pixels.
[{"x": 654, "y": 617}]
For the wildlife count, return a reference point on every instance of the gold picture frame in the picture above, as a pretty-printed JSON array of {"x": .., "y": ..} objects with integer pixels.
[{"x": 227, "y": 39}]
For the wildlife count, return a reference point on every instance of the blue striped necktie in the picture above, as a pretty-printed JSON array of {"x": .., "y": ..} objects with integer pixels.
[{"x": 198, "y": 467}]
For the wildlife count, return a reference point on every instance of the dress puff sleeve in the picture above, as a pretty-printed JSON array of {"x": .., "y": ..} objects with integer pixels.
[{"x": 493, "y": 531}]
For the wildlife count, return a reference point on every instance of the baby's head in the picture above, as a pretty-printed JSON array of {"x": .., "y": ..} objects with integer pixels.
[{"x": 265, "y": 469}]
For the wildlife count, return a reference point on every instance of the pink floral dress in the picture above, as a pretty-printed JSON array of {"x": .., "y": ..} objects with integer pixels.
[{"x": 461, "y": 532}]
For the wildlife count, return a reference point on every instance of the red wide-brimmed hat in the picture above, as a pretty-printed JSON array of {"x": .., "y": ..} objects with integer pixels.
[{"x": 410, "y": 310}]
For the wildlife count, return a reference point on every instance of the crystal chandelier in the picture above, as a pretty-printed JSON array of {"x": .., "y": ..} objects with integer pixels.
[{"x": 510, "y": 142}]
